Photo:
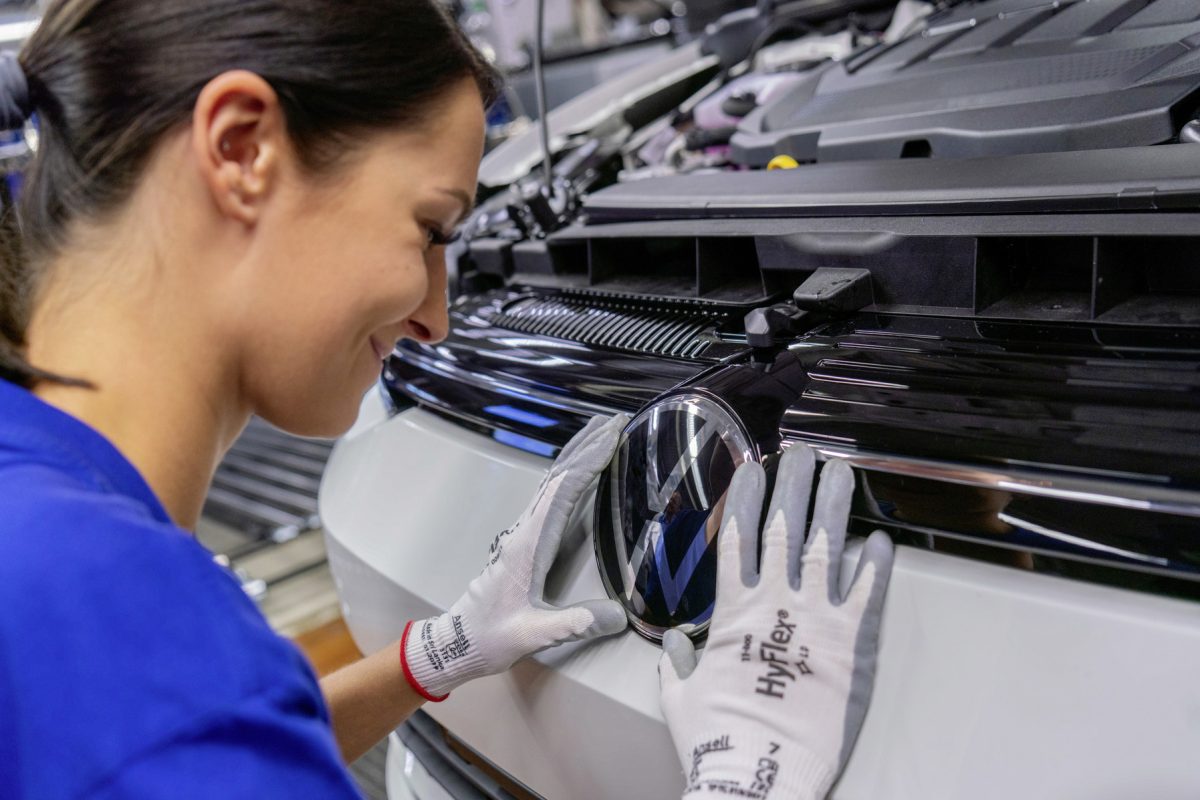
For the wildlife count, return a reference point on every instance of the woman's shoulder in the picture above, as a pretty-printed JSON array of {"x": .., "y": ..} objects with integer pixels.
[
  {"x": 98, "y": 575},
  {"x": 57, "y": 531},
  {"x": 126, "y": 626}
]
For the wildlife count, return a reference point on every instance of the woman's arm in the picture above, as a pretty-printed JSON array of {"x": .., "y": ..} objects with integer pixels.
[{"x": 367, "y": 700}]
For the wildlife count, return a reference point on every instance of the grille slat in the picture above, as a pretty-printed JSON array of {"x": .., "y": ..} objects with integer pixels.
[
  {"x": 617, "y": 319},
  {"x": 647, "y": 333},
  {"x": 659, "y": 334},
  {"x": 681, "y": 338},
  {"x": 543, "y": 318},
  {"x": 564, "y": 323},
  {"x": 654, "y": 331},
  {"x": 637, "y": 333},
  {"x": 598, "y": 320}
]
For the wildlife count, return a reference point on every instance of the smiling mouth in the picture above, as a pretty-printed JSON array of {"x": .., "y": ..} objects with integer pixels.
[{"x": 382, "y": 351}]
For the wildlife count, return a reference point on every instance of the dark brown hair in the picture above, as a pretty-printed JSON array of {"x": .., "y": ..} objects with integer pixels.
[{"x": 108, "y": 78}]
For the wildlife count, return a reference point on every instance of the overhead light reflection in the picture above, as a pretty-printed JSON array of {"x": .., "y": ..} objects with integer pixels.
[
  {"x": 520, "y": 415},
  {"x": 525, "y": 443},
  {"x": 1077, "y": 541}
]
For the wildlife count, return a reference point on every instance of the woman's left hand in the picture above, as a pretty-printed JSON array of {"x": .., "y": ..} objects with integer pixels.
[{"x": 503, "y": 617}]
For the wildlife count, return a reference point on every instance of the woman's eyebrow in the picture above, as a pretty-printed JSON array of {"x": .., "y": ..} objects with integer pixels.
[{"x": 462, "y": 197}]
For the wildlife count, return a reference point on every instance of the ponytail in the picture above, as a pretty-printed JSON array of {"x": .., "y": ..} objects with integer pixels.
[
  {"x": 14, "y": 306},
  {"x": 13, "y": 366},
  {"x": 16, "y": 106}
]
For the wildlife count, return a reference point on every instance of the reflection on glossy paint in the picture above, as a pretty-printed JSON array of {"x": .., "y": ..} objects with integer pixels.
[
  {"x": 522, "y": 416},
  {"x": 948, "y": 507},
  {"x": 525, "y": 443},
  {"x": 1000, "y": 526}
]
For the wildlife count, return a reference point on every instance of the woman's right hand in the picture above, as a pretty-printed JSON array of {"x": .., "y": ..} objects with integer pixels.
[{"x": 774, "y": 706}]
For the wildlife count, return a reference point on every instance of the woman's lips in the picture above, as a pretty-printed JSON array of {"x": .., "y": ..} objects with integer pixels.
[{"x": 381, "y": 350}]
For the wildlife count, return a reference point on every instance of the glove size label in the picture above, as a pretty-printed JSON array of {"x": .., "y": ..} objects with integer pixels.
[
  {"x": 429, "y": 648},
  {"x": 766, "y": 770},
  {"x": 456, "y": 648},
  {"x": 781, "y": 667}
]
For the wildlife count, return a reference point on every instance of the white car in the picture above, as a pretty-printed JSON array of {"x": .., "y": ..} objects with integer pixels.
[{"x": 974, "y": 278}]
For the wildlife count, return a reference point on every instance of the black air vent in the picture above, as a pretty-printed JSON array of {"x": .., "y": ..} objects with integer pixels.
[
  {"x": 651, "y": 293},
  {"x": 707, "y": 270},
  {"x": 1119, "y": 280},
  {"x": 681, "y": 333}
]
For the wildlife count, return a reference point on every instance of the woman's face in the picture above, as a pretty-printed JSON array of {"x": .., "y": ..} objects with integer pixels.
[{"x": 350, "y": 263}]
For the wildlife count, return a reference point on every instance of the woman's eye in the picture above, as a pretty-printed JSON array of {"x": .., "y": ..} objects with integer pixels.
[{"x": 437, "y": 238}]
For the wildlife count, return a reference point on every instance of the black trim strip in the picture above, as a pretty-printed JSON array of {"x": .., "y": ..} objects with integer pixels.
[
  {"x": 462, "y": 780},
  {"x": 1125, "y": 179}
]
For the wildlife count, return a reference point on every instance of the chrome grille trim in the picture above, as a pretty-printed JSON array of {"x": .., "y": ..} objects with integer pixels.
[
  {"x": 1080, "y": 489},
  {"x": 594, "y": 321},
  {"x": 446, "y": 369}
]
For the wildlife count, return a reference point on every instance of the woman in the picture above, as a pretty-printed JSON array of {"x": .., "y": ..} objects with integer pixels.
[{"x": 237, "y": 207}]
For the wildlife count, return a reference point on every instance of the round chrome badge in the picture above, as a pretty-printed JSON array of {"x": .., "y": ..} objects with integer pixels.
[{"x": 658, "y": 508}]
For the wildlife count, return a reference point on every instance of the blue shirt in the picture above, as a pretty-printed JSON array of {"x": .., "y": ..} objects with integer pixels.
[{"x": 132, "y": 665}]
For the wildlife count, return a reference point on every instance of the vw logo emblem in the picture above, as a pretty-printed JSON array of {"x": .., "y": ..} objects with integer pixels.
[{"x": 658, "y": 509}]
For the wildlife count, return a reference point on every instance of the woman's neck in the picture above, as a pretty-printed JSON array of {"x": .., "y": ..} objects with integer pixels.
[{"x": 160, "y": 392}]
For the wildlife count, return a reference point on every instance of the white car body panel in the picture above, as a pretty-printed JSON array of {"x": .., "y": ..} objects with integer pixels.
[{"x": 992, "y": 682}]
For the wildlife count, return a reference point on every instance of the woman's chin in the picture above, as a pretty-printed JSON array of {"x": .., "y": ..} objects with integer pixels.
[{"x": 327, "y": 418}]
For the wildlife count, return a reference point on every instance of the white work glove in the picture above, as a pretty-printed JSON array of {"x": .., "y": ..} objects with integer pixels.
[
  {"x": 777, "y": 700},
  {"x": 502, "y": 617}
]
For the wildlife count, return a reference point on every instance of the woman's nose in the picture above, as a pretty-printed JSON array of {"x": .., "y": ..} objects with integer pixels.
[{"x": 430, "y": 323}]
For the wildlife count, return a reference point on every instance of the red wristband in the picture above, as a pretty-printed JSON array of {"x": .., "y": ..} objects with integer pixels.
[{"x": 412, "y": 681}]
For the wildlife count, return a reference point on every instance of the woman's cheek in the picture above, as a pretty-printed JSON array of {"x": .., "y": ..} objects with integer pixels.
[{"x": 412, "y": 288}]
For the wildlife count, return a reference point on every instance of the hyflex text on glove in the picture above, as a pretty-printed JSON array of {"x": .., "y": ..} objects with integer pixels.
[{"x": 773, "y": 706}]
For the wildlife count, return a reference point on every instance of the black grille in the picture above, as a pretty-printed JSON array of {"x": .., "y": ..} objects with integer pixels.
[
  {"x": 679, "y": 333},
  {"x": 1076, "y": 445},
  {"x": 1140, "y": 272}
]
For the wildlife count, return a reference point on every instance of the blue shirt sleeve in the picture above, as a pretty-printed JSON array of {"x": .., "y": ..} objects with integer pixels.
[{"x": 267, "y": 747}]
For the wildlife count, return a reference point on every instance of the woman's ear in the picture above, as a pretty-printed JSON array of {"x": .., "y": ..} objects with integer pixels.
[{"x": 238, "y": 135}]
